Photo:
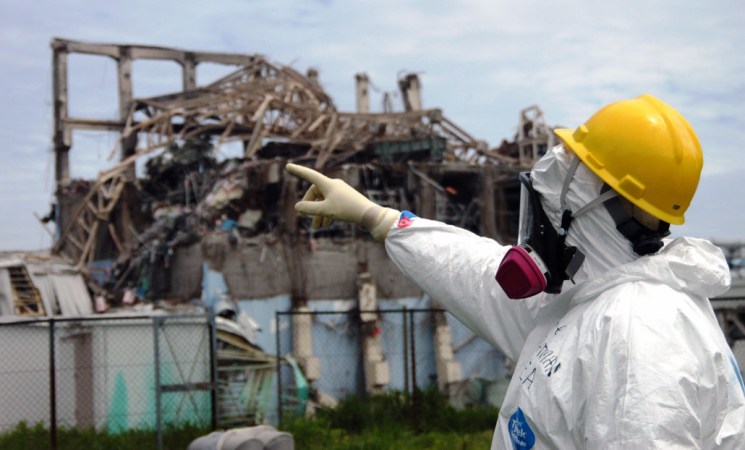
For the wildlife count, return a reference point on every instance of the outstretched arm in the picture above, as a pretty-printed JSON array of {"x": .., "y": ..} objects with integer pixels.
[{"x": 454, "y": 266}]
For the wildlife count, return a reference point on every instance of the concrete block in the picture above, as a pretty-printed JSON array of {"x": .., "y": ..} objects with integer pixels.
[{"x": 311, "y": 367}]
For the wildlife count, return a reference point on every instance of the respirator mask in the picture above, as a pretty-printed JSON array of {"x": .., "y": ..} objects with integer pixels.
[{"x": 541, "y": 260}]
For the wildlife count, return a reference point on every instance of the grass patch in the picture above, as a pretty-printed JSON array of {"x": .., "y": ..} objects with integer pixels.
[
  {"x": 395, "y": 421},
  {"x": 26, "y": 437}
]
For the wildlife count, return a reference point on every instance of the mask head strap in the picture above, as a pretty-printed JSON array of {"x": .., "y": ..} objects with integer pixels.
[
  {"x": 644, "y": 240},
  {"x": 567, "y": 214},
  {"x": 567, "y": 181}
]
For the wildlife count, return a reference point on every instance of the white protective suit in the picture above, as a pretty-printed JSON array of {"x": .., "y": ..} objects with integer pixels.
[{"x": 630, "y": 357}]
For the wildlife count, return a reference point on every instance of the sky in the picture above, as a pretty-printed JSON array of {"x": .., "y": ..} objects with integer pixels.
[{"x": 480, "y": 61}]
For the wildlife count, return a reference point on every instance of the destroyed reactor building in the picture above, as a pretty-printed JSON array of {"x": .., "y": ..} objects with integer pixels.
[
  {"x": 155, "y": 236},
  {"x": 417, "y": 159}
]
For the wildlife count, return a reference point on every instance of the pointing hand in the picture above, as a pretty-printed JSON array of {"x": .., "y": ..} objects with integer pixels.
[{"x": 329, "y": 199}]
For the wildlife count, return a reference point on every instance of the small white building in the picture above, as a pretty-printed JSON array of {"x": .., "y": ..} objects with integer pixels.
[{"x": 116, "y": 371}]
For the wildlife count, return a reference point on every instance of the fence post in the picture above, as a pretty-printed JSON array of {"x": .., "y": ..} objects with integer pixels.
[
  {"x": 279, "y": 371},
  {"x": 213, "y": 369},
  {"x": 414, "y": 395},
  {"x": 406, "y": 349},
  {"x": 158, "y": 413},
  {"x": 52, "y": 388}
]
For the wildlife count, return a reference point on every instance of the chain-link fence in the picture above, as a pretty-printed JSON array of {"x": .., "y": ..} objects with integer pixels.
[
  {"x": 115, "y": 374},
  {"x": 161, "y": 373},
  {"x": 331, "y": 355}
]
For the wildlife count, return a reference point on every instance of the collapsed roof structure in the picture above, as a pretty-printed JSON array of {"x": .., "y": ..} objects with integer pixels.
[{"x": 190, "y": 207}]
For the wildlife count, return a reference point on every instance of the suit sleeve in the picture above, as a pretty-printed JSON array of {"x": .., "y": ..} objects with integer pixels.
[{"x": 456, "y": 268}]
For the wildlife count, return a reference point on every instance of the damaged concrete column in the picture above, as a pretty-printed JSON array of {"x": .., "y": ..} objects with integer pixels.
[
  {"x": 302, "y": 343},
  {"x": 448, "y": 368},
  {"x": 534, "y": 137},
  {"x": 362, "y": 92},
  {"x": 488, "y": 211},
  {"x": 189, "y": 72},
  {"x": 294, "y": 251},
  {"x": 124, "y": 69},
  {"x": 62, "y": 135},
  {"x": 411, "y": 92},
  {"x": 426, "y": 199},
  {"x": 377, "y": 371},
  {"x": 312, "y": 75},
  {"x": 84, "y": 396}
]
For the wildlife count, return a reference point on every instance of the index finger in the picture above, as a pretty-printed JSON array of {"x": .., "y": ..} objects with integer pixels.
[{"x": 308, "y": 175}]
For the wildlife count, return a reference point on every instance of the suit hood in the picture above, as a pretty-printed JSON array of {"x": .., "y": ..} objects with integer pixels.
[{"x": 693, "y": 266}]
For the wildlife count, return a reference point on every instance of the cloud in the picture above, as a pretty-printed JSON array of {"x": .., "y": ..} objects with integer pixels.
[{"x": 481, "y": 61}]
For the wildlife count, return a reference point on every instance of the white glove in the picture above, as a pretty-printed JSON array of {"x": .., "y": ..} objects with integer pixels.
[{"x": 329, "y": 199}]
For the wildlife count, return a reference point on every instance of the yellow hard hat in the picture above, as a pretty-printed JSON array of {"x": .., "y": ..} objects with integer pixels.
[{"x": 645, "y": 150}]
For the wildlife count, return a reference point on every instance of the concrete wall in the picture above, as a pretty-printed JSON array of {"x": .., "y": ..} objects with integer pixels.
[{"x": 255, "y": 271}]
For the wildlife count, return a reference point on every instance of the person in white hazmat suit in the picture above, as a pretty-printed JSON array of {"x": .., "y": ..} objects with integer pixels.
[{"x": 616, "y": 343}]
